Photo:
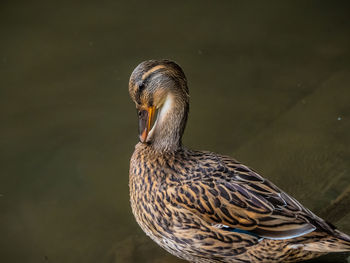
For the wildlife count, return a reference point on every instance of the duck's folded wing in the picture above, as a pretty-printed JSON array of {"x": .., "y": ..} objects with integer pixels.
[{"x": 240, "y": 199}]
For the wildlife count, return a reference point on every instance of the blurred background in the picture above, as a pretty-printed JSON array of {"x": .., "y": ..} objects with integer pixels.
[{"x": 269, "y": 84}]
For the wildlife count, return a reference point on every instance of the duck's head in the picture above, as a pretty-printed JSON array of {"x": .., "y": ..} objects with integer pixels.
[{"x": 160, "y": 85}]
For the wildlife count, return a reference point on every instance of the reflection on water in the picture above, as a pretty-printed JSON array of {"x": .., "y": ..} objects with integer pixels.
[{"x": 269, "y": 84}]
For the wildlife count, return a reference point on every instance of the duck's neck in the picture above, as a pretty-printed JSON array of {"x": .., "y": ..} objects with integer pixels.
[{"x": 170, "y": 124}]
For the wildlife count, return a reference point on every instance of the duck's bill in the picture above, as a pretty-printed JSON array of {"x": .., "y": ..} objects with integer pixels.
[{"x": 145, "y": 122}]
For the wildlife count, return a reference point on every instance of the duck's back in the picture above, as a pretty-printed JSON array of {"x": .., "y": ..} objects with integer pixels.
[{"x": 206, "y": 207}]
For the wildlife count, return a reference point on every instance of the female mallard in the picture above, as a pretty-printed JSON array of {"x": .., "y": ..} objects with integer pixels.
[{"x": 206, "y": 207}]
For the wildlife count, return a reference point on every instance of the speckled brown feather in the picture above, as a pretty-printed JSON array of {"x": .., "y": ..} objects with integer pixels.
[{"x": 205, "y": 207}]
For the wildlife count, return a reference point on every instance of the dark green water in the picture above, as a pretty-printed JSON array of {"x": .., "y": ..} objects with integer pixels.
[{"x": 269, "y": 84}]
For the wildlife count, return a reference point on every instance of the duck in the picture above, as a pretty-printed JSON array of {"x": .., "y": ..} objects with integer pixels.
[{"x": 202, "y": 206}]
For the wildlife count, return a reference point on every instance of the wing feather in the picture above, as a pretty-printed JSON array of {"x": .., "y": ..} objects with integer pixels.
[{"x": 235, "y": 196}]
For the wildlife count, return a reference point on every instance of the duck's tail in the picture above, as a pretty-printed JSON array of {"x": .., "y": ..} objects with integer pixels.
[{"x": 339, "y": 242}]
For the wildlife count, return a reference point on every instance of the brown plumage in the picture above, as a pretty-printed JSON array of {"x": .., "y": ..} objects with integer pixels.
[{"x": 206, "y": 207}]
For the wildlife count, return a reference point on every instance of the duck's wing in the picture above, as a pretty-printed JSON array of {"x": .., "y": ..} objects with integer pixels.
[{"x": 232, "y": 196}]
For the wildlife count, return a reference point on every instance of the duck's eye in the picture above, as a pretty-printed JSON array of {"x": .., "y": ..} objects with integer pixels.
[{"x": 141, "y": 87}]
